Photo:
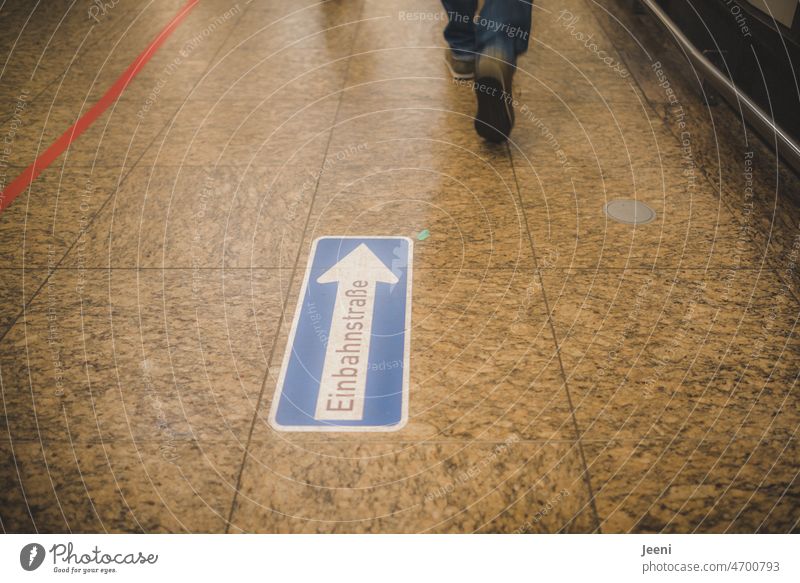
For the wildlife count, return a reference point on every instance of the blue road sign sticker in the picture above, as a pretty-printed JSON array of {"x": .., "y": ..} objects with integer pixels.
[{"x": 346, "y": 362}]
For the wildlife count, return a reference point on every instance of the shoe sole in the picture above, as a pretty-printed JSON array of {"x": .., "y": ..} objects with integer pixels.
[
  {"x": 494, "y": 121},
  {"x": 457, "y": 75}
]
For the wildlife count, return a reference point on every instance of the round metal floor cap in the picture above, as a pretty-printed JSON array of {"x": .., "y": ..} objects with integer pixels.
[{"x": 632, "y": 212}]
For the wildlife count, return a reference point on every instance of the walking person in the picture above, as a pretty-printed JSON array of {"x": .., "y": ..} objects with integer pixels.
[{"x": 485, "y": 47}]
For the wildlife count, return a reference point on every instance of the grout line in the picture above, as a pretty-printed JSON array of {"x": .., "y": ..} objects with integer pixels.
[
  {"x": 755, "y": 439},
  {"x": 292, "y": 278},
  {"x": 538, "y": 273},
  {"x": 495, "y": 269}
]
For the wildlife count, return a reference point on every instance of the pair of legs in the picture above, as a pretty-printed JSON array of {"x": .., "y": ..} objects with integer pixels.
[
  {"x": 486, "y": 47},
  {"x": 503, "y": 27}
]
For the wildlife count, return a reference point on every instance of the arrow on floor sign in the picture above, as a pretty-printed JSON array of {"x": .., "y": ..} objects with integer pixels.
[
  {"x": 344, "y": 374},
  {"x": 346, "y": 362}
]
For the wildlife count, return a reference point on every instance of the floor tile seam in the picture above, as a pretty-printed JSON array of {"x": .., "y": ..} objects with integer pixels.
[{"x": 292, "y": 279}]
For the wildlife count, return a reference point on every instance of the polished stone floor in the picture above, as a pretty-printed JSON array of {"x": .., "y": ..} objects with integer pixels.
[{"x": 568, "y": 373}]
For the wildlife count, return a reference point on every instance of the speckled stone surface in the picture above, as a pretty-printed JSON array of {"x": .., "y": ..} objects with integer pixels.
[
  {"x": 204, "y": 217},
  {"x": 724, "y": 485},
  {"x": 677, "y": 354},
  {"x": 176, "y": 354},
  {"x": 413, "y": 488},
  {"x": 48, "y": 218},
  {"x": 567, "y": 373},
  {"x": 119, "y": 486}
]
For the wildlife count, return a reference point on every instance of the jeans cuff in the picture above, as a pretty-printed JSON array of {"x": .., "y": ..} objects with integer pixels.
[{"x": 462, "y": 55}]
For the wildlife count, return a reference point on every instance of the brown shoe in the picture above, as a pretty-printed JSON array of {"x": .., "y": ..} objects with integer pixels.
[
  {"x": 495, "y": 117},
  {"x": 460, "y": 67}
]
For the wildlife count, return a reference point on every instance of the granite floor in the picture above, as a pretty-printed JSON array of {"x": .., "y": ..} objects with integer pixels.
[{"x": 568, "y": 373}]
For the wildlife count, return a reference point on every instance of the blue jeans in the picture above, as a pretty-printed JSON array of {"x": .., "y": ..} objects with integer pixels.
[{"x": 504, "y": 25}]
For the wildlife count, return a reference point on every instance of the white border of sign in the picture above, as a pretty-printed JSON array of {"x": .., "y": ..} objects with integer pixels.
[{"x": 290, "y": 344}]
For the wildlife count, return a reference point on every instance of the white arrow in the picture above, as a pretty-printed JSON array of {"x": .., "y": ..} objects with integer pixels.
[{"x": 342, "y": 386}]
